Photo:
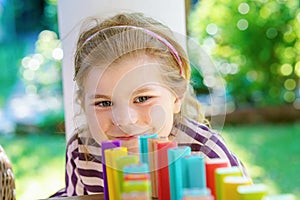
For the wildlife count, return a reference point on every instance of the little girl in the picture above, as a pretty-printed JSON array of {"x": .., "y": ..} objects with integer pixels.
[{"x": 133, "y": 78}]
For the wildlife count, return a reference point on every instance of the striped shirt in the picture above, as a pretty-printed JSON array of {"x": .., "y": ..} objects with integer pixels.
[{"x": 83, "y": 156}]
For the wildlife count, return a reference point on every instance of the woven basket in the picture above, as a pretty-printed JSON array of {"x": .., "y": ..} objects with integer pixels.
[{"x": 7, "y": 182}]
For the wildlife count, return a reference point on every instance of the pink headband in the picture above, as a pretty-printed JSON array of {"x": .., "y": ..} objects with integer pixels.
[{"x": 153, "y": 34}]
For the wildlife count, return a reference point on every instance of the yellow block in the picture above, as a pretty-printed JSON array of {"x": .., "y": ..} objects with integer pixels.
[
  {"x": 111, "y": 156},
  {"x": 251, "y": 192},
  {"x": 220, "y": 174},
  {"x": 230, "y": 185}
]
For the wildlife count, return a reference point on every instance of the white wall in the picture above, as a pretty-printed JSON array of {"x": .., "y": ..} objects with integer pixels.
[{"x": 72, "y": 12}]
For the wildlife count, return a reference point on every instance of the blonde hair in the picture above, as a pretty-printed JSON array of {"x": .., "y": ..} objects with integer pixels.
[{"x": 102, "y": 42}]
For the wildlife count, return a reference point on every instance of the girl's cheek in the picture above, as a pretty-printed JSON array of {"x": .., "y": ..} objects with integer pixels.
[
  {"x": 97, "y": 132},
  {"x": 147, "y": 118},
  {"x": 103, "y": 121},
  {"x": 97, "y": 121},
  {"x": 157, "y": 116}
]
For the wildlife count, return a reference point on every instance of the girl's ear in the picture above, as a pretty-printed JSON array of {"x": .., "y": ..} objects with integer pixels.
[{"x": 177, "y": 104}]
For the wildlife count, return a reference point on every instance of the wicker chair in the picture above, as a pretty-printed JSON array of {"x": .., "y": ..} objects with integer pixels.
[{"x": 7, "y": 182}]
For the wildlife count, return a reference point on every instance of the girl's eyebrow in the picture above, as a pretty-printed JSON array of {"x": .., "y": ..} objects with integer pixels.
[
  {"x": 138, "y": 91},
  {"x": 99, "y": 96},
  {"x": 143, "y": 89}
]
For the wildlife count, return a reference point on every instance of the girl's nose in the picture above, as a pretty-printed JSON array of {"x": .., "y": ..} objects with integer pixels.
[{"x": 124, "y": 115}]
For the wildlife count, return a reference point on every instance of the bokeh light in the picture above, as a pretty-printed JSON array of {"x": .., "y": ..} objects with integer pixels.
[
  {"x": 289, "y": 96},
  {"x": 209, "y": 44},
  {"x": 267, "y": 10},
  {"x": 290, "y": 84},
  {"x": 289, "y": 36},
  {"x": 242, "y": 24},
  {"x": 297, "y": 69},
  {"x": 271, "y": 33},
  {"x": 252, "y": 75},
  {"x": 28, "y": 75},
  {"x": 57, "y": 53},
  {"x": 243, "y": 8},
  {"x": 228, "y": 68},
  {"x": 286, "y": 69},
  {"x": 31, "y": 89},
  {"x": 39, "y": 57},
  {"x": 289, "y": 53},
  {"x": 212, "y": 29}
]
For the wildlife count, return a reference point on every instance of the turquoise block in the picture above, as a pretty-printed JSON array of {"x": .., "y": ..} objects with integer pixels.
[
  {"x": 175, "y": 157},
  {"x": 143, "y": 143},
  {"x": 194, "y": 168}
]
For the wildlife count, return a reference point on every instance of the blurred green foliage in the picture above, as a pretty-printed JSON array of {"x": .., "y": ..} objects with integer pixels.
[
  {"x": 19, "y": 20},
  {"x": 30, "y": 57},
  {"x": 34, "y": 15},
  {"x": 10, "y": 53},
  {"x": 50, "y": 15},
  {"x": 256, "y": 47},
  {"x": 41, "y": 75}
]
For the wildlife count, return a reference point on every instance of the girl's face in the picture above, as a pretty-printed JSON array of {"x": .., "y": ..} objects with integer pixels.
[{"x": 128, "y": 99}]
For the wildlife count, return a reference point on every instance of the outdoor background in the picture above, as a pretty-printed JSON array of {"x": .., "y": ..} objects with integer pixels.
[{"x": 255, "y": 45}]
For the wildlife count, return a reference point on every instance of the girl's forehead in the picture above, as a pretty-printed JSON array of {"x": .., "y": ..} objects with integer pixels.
[{"x": 126, "y": 75}]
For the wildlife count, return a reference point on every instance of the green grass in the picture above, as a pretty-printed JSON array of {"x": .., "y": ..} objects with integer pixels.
[
  {"x": 270, "y": 152},
  {"x": 38, "y": 164}
]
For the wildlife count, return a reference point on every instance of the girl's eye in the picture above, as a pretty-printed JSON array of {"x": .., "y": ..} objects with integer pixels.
[
  {"x": 103, "y": 103},
  {"x": 141, "y": 99}
]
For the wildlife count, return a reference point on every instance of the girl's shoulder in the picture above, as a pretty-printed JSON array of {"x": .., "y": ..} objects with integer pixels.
[
  {"x": 83, "y": 148},
  {"x": 200, "y": 138},
  {"x": 188, "y": 131},
  {"x": 204, "y": 140},
  {"x": 73, "y": 139},
  {"x": 80, "y": 138},
  {"x": 189, "y": 125}
]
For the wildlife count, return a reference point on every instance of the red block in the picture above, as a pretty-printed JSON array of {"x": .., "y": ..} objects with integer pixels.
[
  {"x": 163, "y": 168},
  {"x": 211, "y": 166}
]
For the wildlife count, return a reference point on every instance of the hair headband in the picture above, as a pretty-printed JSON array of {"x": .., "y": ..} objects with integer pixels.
[{"x": 153, "y": 34}]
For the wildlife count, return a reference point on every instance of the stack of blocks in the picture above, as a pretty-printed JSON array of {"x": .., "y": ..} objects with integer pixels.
[{"x": 165, "y": 171}]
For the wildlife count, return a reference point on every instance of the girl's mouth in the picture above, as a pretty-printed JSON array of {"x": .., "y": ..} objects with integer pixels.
[{"x": 127, "y": 137}]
